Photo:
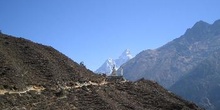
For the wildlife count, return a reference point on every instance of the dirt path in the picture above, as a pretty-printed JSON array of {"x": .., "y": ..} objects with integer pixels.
[
  {"x": 40, "y": 88},
  {"x": 30, "y": 88}
]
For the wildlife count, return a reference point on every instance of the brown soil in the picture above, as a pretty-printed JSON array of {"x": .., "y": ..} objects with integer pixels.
[{"x": 38, "y": 77}]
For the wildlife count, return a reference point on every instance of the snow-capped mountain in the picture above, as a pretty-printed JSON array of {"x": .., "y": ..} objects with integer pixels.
[
  {"x": 125, "y": 56},
  {"x": 109, "y": 63},
  {"x": 106, "y": 67}
]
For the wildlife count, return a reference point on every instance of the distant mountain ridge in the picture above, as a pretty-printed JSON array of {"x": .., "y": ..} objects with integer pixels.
[
  {"x": 202, "y": 84},
  {"x": 109, "y": 63},
  {"x": 34, "y": 76},
  {"x": 172, "y": 61}
]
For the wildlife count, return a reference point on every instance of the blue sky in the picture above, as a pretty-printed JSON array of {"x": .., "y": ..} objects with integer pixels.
[{"x": 94, "y": 30}]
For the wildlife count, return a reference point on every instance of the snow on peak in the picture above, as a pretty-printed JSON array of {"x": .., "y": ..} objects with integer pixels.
[
  {"x": 110, "y": 63},
  {"x": 126, "y": 55},
  {"x": 110, "y": 60}
]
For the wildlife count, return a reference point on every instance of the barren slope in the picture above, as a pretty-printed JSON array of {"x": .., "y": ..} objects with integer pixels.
[{"x": 34, "y": 76}]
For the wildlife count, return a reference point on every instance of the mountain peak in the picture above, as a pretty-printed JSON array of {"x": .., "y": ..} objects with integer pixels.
[
  {"x": 215, "y": 27},
  {"x": 108, "y": 65},
  {"x": 199, "y": 31},
  {"x": 126, "y": 54},
  {"x": 201, "y": 22},
  {"x": 216, "y": 22},
  {"x": 109, "y": 60},
  {"x": 127, "y": 51},
  {"x": 200, "y": 25}
]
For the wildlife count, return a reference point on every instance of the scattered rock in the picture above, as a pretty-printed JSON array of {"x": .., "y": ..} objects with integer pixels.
[{"x": 34, "y": 76}]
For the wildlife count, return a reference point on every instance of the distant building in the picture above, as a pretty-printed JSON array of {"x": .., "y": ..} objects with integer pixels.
[
  {"x": 114, "y": 73},
  {"x": 114, "y": 77}
]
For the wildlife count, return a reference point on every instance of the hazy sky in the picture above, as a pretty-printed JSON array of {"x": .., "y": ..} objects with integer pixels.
[{"x": 94, "y": 30}]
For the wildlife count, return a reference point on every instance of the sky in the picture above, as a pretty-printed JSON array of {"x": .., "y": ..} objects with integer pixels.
[{"x": 95, "y": 30}]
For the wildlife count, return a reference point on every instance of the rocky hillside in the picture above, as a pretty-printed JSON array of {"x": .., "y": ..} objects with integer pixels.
[
  {"x": 202, "y": 84},
  {"x": 175, "y": 59},
  {"x": 34, "y": 76}
]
